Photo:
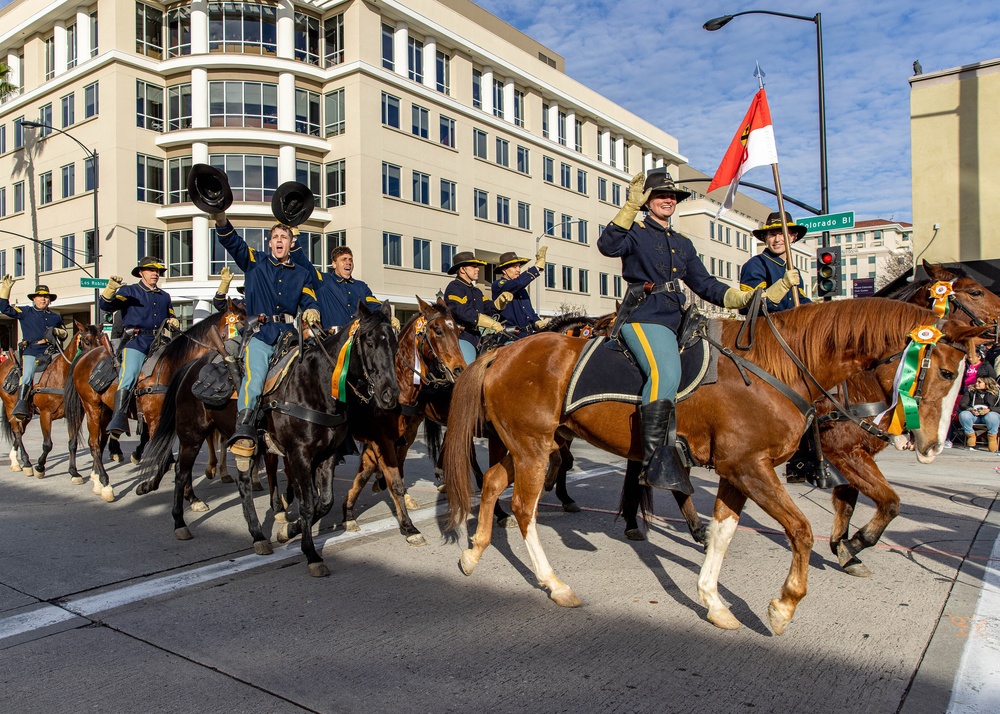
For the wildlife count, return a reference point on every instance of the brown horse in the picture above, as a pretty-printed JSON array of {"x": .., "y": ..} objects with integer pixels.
[
  {"x": 47, "y": 398},
  {"x": 833, "y": 340}
]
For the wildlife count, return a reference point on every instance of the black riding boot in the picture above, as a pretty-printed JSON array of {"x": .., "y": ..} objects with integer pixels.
[
  {"x": 243, "y": 442},
  {"x": 22, "y": 410},
  {"x": 662, "y": 464},
  {"x": 119, "y": 420}
]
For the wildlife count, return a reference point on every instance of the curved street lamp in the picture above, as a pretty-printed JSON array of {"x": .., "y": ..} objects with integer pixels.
[{"x": 92, "y": 155}]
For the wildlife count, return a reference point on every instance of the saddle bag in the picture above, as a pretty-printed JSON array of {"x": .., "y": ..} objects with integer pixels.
[
  {"x": 12, "y": 380},
  {"x": 214, "y": 385},
  {"x": 103, "y": 374}
]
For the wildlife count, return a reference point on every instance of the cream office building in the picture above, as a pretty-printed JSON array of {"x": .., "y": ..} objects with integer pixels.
[{"x": 423, "y": 129}]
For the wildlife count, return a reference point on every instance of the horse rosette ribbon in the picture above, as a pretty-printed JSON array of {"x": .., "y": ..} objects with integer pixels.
[
  {"x": 905, "y": 405},
  {"x": 940, "y": 294},
  {"x": 338, "y": 380}
]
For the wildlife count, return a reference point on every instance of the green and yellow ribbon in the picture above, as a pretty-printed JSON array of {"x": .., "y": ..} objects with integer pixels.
[
  {"x": 940, "y": 292},
  {"x": 906, "y": 414},
  {"x": 338, "y": 380}
]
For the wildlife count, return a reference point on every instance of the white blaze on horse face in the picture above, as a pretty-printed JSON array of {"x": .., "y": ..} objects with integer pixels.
[
  {"x": 947, "y": 409},
  {"x": 720, "y": 535}
]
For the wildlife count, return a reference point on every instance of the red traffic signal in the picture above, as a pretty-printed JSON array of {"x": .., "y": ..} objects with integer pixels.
[{"x": 828, "y": 276}]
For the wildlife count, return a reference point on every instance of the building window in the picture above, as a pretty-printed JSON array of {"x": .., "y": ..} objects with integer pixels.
[
  {"x": 333, "y": 37},
  {"x": 179, "y": 32},
  {"x": 581, "y": 181},
  {"x": 3, "y": 139},
  {"x": 390, "y": 110},
  {"x": 149, "y": 31},
  {"x": 251, "y": 177},
  {"x": 88, "y": 247},
  {"x": 421, "y": 254},
  {"x": 421, "y": 122},
  {"x": 547, "y": 169},
  {"x": 310, "y": 173},
  {"x": 68, "y": 106},
  {"x": 71, "y": 46},
  {"x": 18, "y": 196},
  {"x": 242, "y": 27},
  {"x": 45, "y": 256},
  {"x": 566, "y": 227},
  {"x": 307, "y": 119},
  {"x": 522, "y": 159},
  {"x": 503, "y": 210},
  {"x": 567, "y": 277},
  {"x": 498, "y": 98},
  {"x": 93, "y": 34},
  {"x": 562, "y": 128},
  {"x": 50, "y": 58},
  {"x": 447, "y": 131},
  {"x": 148, "y": 106},
  {"x": 45, "y": 188},
  {"x": 448, "y": 200},
  {"x": 336, "y": 184},
  {"x": 68, "y": 180},
  {"x": 306, "y": 38},
  {"x": 523, "y": 215},
  {"x": 618, "y": 286},
  {"x": 149, "y": 179},
  {"x": 600, "y": 145},
  {"x": 583, "y": 278},
  {"x": 616, "y": 194},
  {"x": 579, "y": 135},
  {"x": 548, "y": 222},
  {"x": 565, "y": 175},
  {"x": 443, "y": 79},
  {"x": 581, "y": 231},
  {"x": 545, "y": 121},
  {"x": 477, "y": 88},
  {"x": 387, "y": 47},
  {"x": 90, "y": 107},
  {"x": 334, "y": 106},
  {"x": 625, "y": 159},
  {"x": 19, "y": 261},
  {"x": 248, "y": 104},
  {"x": 91, "y": 173},
  {"x": 614, "y": 152},
  {"x": 3, "y": 201},
  {"x": 149, "y": 241},
  {"x": 255, "y": 238},
  {"x": 518, "y": 107},
  {"x": 603, "y": 284},
  {"x": 45, "y": 119},
  {"x": 550, "y": 275},
  {"x": 179, "y": 106},
  {"x": 3, "y": 262},
  {"x": 392, "y": 249},
  {"x": 421, "y": 188},
  {"x": 480, "y": 204},
  {"x": 447, "y": 256},
  {"x": 479, "y": 143},
  {"x": 181, "y": 263},
  {"x": 18, "y": 133},
  {"x": 503, "y": 152},
  {"x": 390, "y": 180},
  {"x": 415, "y": 59},
  {"x": 177, "y": 174}
]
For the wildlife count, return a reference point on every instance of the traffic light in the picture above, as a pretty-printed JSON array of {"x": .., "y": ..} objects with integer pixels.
[{"x": 828, "y": 277}]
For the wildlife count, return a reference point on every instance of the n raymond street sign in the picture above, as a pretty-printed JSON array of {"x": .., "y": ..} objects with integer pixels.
[
  {"x": 829, "y": 222},
  {"x": 93, "y": 282}
]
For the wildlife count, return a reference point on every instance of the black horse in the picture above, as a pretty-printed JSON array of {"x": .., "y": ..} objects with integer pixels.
[{"x": 305, "y": 423}]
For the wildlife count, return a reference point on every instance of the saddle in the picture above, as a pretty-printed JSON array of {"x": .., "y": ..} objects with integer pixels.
[
  {"x": 104, "y": 373},
  {"x": 215, "y": 386},
  {"x": 605, "y": 372}
]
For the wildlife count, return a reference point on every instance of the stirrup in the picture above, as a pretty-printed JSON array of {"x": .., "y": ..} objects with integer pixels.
[{"x": 667, "y": 470}]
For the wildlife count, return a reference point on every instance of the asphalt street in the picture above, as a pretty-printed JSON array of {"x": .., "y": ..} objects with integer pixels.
[{"x": 101, "y": 608}]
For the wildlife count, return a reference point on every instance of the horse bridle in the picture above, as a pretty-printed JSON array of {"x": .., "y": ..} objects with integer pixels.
[
  {"x": 422, "y": 341},
  {"x": 369, "y": 382}
]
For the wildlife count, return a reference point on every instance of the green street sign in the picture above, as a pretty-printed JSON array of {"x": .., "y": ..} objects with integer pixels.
[
  {"x": 829, "y": 222},
  {"x": 93, "y": 282}
]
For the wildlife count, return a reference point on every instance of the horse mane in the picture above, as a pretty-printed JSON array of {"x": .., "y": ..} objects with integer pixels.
[
  {"x": 906, "y": 292},
  {"x": 180, "y": 350},
  {"x": 563, "y": 321},
  {"x": 848, "y": 328}
]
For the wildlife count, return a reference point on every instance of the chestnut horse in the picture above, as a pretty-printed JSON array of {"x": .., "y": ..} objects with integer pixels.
[
  {"x": 47, "y": 398},
  {"x": 834, "y": 340}
]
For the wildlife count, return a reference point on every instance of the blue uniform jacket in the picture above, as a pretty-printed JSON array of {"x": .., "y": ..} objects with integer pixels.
[
  {"x": 763, "y": 271},
  {"x": 518, "y": 312},
  {"x": 34, "y": 323},
  {"x": 653, "y": 254},
  {"x": 221, "y": 302},
  {"x": 338, "y": 297},
  {"x": 142, "y": 309},
  {"x": 468, "y": 303},
  {"x": 272, "y": 288}
]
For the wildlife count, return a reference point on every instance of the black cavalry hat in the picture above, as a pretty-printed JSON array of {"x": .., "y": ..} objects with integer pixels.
[
  {"x": 508, "y": 259},
  {"x": 658, "y": 180},
  {"x": 292, "y": 203},
  {"x": 773, "y": 222},
  {"x": 149, "y": 263},
  {"x": 466, "y": 257},
  {"x": 42, "y": 291},
  {"x": 208, "y": 188}
]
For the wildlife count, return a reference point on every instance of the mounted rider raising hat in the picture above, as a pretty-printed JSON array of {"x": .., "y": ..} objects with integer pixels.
[
  {"x": 471, "y": 308},
  {"x": 514, "y": 280}
]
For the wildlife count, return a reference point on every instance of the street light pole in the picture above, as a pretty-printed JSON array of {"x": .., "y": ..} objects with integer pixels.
[{"x": 92, "y": 155}]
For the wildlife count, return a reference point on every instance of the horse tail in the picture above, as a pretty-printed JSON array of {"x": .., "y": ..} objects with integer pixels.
[
  {"x": 72, "y": 403},
  {"x": 6, "y": 430},
  {"x": 432, "y": 438},
  {"x": 466, "y": 415},
  {"x": 160, "y": 446}
]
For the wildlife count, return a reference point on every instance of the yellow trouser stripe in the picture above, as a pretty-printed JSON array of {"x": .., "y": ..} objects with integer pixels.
[
  {"x": 246, "y": 381},
  {"x": 654, "y": 374}
]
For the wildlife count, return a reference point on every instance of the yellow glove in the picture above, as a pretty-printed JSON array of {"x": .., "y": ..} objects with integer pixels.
[
  {"x": 777, "y": 292},
  {"x": 227, "y": 277},
  {"x": 59, "y": 332},
  {"x": 791, "y": 277},
  {"x": 540, "y": 257},
  {"x": 5, "y": 286},
  {"x": 311, "y": 317},
  {"x": 114, "y": 282},
  {"x": 219, "y": 218},
  {"x": 636, "y": 198},
  {"x": 543, "y": 323},
  {"x": 394, "y": 321},
  {"x": 173, "y": 324},
  {"x": 488, "y": 323},
  {"x": 735, "y": 299},
  {"x": 503, "y": 299}
]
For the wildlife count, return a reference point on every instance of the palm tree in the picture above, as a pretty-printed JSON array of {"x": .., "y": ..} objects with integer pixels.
[{"x": 6, "y": 88}]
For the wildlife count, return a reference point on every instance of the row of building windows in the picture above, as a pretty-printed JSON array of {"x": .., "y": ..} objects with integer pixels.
[
  {"x": 53, "y": 254},
  {"x": 67, "y": 110},
  {"x": 722, "y": 233},
  {"x": 46, "y": 188}
]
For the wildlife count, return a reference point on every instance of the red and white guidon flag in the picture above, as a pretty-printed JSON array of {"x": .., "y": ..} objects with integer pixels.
[{"x": 752, "y": 146}]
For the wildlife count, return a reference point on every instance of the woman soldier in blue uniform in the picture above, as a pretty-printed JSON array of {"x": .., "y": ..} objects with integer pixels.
[
  {"x": 470, "y": 306},
  {"x": 769, "y": 266},
  {"x": 655, "y": 261},
  {"x": 519, "y": 312},
  {"x": 144, "y": 308},
  {"x": 35, "y": 319}
]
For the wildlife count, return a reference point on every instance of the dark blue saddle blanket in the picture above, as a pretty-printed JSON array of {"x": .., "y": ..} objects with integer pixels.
[{"x": 604, "y": 373}]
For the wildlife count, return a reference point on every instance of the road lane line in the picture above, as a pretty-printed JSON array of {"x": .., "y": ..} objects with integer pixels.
[{"x": 36, "y": 619}]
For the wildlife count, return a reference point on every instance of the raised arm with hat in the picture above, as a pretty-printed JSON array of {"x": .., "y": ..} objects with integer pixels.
[{"x": 510, "y": 290}]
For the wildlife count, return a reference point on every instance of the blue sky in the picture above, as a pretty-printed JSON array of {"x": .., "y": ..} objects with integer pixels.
[{"x": 655, "y": 59}]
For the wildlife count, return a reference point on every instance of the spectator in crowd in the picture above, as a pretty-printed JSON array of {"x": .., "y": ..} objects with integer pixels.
[{"x": 981, "y": 405}]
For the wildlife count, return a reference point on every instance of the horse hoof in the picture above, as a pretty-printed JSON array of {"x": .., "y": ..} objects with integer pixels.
[
  {"x": 132, "y": 458},
  {"x": 262, "y": 547},
  {"x": 39, "y": 473},
  {"x": 507, "y": 521},
  {"x": 209, "y": 473},
  {"x": 226, "y": 478},
  {"x": 108, "y": 494},
  {"x": 118, "y": 458},
  {"x": 410, "y": 503},
  {"x": 96, "y": 483},
  {"x": 468, "y": 562},
  {"x": 182, "y": 533},
  {"x": 256, "y": 485},
  {"x": 635, "y": 534},
  {"x": 282, "y": 534},
  {"x": 352, "y": 525},
  {"x": 15, "y": 466},
  {"x": 441, "y": 487},
  {"x": 571, "y": 507},
  {"x": 199, "y": 506},
  {"x": 416, "y": 539},
  {"x": 565, "y": 597},
  {"x": 281, "y": 517},
  {"x": 724, "y": 619},
  {"x": 29, "y": 472},
  {"x": 77, "y": 481},
  {"x": 778, "y": 620},
  {"x": 318, "y": 570},
  {"x": 142, "y": 489},
  {"x": 857, "y": 569},
  {"x": 700, "y": 535}
]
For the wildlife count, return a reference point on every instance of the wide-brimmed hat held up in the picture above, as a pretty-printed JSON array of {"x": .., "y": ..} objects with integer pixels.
[
  {"x": 292, "y": 203},
  {"x": 773, "y": 222},
  {"x": 42, "y": 291},
  {"x": 466, "y": 257},
  {"x": 208, "y": 189},
  {"x": 149, "y": 263}
]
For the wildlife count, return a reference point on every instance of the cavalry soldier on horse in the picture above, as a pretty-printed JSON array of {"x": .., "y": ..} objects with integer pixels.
[
  {"x": 519, "y": 312},
  {"x": 656, "y": 260},
  {"x": 35, "y": 319},
  {"x": 144, "y": 307},
  {"x": 769, "y": 266},
  {"x": 468, "y": 303}
]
